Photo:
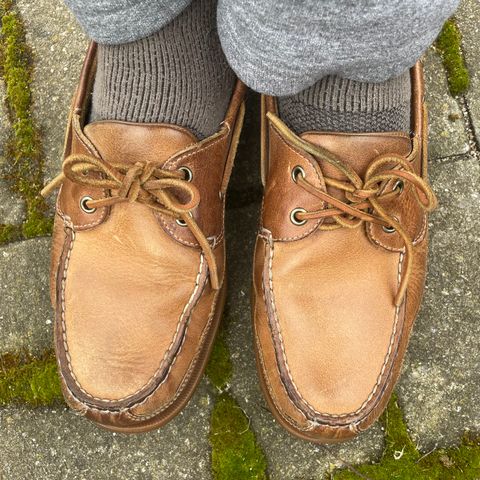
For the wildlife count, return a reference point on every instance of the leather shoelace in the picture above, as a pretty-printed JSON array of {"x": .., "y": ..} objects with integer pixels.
[
  {"x": 362, "y": 195},
  {"x": 146, "y": 183}
]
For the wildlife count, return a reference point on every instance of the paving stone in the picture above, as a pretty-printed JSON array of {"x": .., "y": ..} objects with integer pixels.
[
  {"x": 447, "y": 129},
  {"x": 11, "y": 206},
  {"x": 468, "y": 17},
  {"x": 58, "y": 47},
  {"x": 288, "y": 457},
  {"x": 25, "y": 314},
  {"x": 55, "y": 444},
  {"x": 439, "y": 388}
]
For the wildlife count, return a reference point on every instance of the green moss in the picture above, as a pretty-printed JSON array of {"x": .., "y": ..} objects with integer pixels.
[
  {"x": 449, "y": 45},
  {"x": 235, "y": 453},
  {"x": 36, "y": 224},
  {"x": 219, "y": 368},
  {"x": 10, "y": 233},
  {"x": 402, "y": 461},
  {"x": 23, "y": 149},
  {"x": 29, "y": 380}
]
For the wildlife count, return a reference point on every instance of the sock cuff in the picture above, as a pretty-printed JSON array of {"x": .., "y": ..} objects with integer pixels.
[
  {"x": 178, "y": 75},
  {"x": 340, "y": 94}
]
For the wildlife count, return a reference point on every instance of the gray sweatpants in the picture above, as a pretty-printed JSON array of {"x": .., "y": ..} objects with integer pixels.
[{"x": 280, "y": 47}]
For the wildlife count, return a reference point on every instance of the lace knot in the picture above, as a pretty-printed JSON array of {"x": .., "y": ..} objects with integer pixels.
[
  {"x": 363, "y": 195},
  {"x": 164, "y": 191}
]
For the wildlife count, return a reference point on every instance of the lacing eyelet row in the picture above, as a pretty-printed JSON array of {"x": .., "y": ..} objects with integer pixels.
[{"x": 188, "y": 175}]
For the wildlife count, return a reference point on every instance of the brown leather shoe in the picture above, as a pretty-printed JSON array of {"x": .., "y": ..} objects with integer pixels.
[
  {"x": 138, "y": 262},
  {"x": 339, "y": 269}
]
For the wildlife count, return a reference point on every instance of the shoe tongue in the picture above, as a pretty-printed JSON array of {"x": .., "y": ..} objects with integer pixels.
[
  {"x": 132, "y": 142},
  {"x": 359, "y": 149}
]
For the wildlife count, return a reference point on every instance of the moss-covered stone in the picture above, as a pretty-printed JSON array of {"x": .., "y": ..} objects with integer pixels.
[
  {"x": 23, "y": 149},
  {"x": 402, "y": 461},
  {"x": 235, "y": 453},
  {"x": 29, "y": 380},
  {"x": 36, "y": 224},
  {"x": 219, "y": 368},
  {"x": 449, "y": 45},
  {"x": 10, "y": 233}
]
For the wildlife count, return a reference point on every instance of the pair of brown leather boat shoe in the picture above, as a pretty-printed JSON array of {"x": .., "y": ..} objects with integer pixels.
[{"x": 138, "y": 277}]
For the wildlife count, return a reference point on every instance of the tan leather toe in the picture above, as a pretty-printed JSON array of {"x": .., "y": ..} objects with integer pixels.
[
  {"x": 339, "y": 270},
  {"x": 138, "y": 262}
]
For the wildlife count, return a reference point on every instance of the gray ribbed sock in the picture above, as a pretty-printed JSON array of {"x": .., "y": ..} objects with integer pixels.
[
  {"x": 342, "y": 105},
  {"x": 178, "y": 75}
]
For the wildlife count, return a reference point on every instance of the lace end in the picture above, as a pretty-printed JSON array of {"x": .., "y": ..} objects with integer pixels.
[{"x": 53, "y": 185}]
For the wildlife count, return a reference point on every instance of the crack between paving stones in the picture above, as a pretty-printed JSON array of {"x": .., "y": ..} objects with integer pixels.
[
  {"x": 473, "y": 140},
  {"x": 25, "y": 158}
]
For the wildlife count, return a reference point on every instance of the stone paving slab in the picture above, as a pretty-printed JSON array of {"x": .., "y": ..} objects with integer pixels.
[
  {"x": 58, "y": 46},
  {"x": 55, "y": 444},
  {"x": 447, "y": 133},
  {"x": 468, "y": 17},
  {"x": 25, "y": 313}
]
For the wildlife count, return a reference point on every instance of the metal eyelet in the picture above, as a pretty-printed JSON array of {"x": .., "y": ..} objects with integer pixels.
[
  {"x": 188, "y": 173},
  {"x": 84, "y": 207},
  {"x": 296, "y": 171},
  {"x": 294, "y": 219},
  {"x": 399, "y": 185},
  {"x": 389, "y": 228},
  {"x": 181, "y": 222}
]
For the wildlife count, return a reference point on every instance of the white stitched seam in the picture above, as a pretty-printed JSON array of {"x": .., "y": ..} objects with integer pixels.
[
  {"x": 387, "y": 357},
  {"x": 163, "y": 359},
  {"x": 186, "y": 377},
  {"x": 289, "y": 420},
  {"x": 269, "y": 245}
]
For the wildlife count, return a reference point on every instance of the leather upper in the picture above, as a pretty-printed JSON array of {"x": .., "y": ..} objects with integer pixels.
[
  {"x": 136, "y": 305},
  {"x": 331, "y": 322}
]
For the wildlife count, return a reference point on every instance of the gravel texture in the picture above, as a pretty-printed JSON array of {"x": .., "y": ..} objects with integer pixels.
[{"x": 439, "y": 388}]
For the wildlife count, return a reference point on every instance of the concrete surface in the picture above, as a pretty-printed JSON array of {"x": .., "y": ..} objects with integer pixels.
[{"x": 439, "y": 389}]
